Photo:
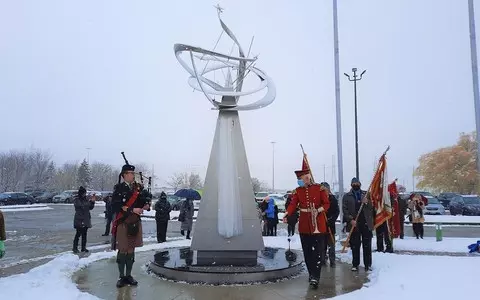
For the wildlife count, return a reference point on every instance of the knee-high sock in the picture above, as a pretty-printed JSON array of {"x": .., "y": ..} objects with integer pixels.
[
  {"x": 121, "y": 261},
  {"x": 130, "y": 259}
]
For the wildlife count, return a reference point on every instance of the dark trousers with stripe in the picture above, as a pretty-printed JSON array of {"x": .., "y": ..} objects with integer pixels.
[{"x": 313, "y": 246}]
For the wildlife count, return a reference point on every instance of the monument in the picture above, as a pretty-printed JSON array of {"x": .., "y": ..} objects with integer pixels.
[{"x": 228, "y": 235}]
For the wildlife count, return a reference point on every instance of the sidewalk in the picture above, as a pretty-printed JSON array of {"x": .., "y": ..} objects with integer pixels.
[{"x": 99, "y": 279}]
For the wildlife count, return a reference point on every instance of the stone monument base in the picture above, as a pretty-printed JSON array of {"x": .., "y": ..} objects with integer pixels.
[{"x": 184, "y": 264}]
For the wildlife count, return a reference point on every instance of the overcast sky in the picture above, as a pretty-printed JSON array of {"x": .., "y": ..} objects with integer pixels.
[{"x": 103, "y": 75}]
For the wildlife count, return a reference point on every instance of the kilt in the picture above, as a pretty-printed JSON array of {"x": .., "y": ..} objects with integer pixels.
[{"x": 126, "y": 242}]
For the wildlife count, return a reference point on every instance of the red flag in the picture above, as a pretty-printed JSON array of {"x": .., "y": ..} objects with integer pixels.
[{"x": 379, "y": 194}]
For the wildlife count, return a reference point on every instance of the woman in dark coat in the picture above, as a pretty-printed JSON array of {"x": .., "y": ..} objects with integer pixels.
[
  {"x": 187, "y": 211},
  {"x": 82, "y": 220},
  {"x": 162, "y": 215},
  {"x": 291, "y": 219}
]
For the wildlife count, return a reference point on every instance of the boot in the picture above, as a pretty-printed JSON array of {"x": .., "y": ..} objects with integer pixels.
[
  {"x": 188, "y": 234},
  {"x": 314, "y": 283},
  {"x": 182, "y": 232},
  {"x": 75, "y": 250},
  {"x": 84, "y": 245},
  {"x": 121, "y": 282},
  {"x": 75, "y": 245},
  {"x": 129, "y": 280}
]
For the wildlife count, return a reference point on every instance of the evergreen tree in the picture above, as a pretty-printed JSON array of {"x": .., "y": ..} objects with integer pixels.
[{"x": 84, "y": 176}]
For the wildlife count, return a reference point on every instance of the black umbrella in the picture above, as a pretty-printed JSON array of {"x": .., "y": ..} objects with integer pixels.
[{"x": 189, "y": 194}]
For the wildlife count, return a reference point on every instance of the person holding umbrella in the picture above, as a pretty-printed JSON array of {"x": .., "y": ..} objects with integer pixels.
[{"x": 187, "y": 209}]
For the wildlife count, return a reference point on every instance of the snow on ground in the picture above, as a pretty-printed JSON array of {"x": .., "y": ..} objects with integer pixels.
[
  {"x": 451, "y": 219},
  {"x": 32, "y": 207},
  {"x": 173, "y": 214},
  {"x": 429, "y": 244},
  {"x": 393, "y": 276}
]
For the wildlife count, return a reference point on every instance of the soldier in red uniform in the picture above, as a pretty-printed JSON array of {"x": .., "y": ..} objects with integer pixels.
[{"x": 312, "y": 200}]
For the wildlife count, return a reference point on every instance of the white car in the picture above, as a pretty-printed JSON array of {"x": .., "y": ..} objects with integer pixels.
[
  {"x": 65, "y": 197},
  {"x": 279, "y": 201},
  {"x": 260, "y": 196}
]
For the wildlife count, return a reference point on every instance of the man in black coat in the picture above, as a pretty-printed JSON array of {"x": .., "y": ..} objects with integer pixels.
[
  {"x": 332, "y": 215},
  {"x": 162, "y": 216},
  {"x": 402, "y": 207},
  {"x": 291, "y": 219},
  {"x": 108, "y": 214},
  {"x": 363, "y": 226}
]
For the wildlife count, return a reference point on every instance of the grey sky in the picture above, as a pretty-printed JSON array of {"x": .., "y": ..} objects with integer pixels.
[{"x": 102, "y": 74}]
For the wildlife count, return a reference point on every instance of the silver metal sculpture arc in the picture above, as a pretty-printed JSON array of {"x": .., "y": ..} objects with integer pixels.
[{"x": 241, "y": 64}]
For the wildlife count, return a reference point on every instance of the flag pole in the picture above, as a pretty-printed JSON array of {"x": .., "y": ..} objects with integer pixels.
[
  {"x": 361, "y": 206},
  {"x": 311, "y": 174}
]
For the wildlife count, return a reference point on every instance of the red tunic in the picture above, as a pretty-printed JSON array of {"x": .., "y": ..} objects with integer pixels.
[{"x": 301, "y": 198}]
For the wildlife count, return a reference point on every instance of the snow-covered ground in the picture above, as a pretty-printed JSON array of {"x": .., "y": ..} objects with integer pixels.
[
  {"x": 393, "y": 276},
  {"x": 32, "y": 207},
  {"x": 173, "y": 214}
]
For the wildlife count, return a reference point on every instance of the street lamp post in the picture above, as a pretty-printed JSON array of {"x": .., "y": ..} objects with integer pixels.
[
  {"x": 355, "y": 79},
  {"x": 473, "y": 56},
  {"x": 273, "y": 166}
]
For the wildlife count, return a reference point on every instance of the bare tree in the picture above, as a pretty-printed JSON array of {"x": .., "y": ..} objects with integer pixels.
[
  {"x": 39, "y": 163},
  {"x": 66, "y": 177},
  {"x": 176, "y": 181},
  {"x": 104, "y": 177},
  {"x": 258, "y": 185},
  {"x": 195, "y": 181}
]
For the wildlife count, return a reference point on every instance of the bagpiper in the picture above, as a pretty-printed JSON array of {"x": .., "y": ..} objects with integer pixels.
[
  {"x": 312, "y": 201},
  {"x": 128, "y": 203}
]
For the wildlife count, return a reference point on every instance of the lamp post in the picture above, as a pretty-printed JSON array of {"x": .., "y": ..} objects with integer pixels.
[
  {"x": 273, "y": 166},
  {"x": 355, "y": 79},
  {"x": 473, "y": 56},
  {"x": 88, "y": 155}
]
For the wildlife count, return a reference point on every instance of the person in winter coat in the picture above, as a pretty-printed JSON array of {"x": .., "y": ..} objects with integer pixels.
[
  {"x": 291, "y": 219},
  {"x": 362, "y": 232},
  {"x": 263, "y": 207},
  {"x": 162, "y": 215},
  {"x": 332, "y": 215},
  {"x": 187, "y": 211},
  {"x": 82, "y": 220},
  {"x": 275, "y": 220},
  {"x": 402, "y": 207},
  {"x": 417, "y": 206},
  {"x": 270, "y": 214},
  {"x": 108, "y": 214},
  {"x": 3, "y": 235}
]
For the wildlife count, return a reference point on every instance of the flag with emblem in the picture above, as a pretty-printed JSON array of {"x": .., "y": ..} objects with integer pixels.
[
  {"x": 394, "y": 221},
  {"x": 379, "y": 194}
]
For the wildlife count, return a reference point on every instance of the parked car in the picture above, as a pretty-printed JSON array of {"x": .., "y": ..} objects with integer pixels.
[
  {"x": 65, "y": 197},
  {"x": 46, "y": 197},
  {"x": 35, "y": 194},
  {"x": 434, "y": 207},
  {"x": 175, "y": 201},
  {"x": 11, "y": 198},
  {"x": 260, "y": 196},
  {"x": 467, "y": 205},
  {"x": 445, "y": 198}
]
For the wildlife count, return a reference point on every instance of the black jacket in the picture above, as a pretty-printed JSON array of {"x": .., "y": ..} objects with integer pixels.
[
  {"x": 162, "y": 210},
  {"x": 121, "y": 194},
  {"x": 82, "y": 217},
  {"x": 293, "y": 218},
  {"x": 333, "y": 212}
]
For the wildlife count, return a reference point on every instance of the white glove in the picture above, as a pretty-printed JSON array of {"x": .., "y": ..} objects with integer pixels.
[{"x": 320, "y": 209}]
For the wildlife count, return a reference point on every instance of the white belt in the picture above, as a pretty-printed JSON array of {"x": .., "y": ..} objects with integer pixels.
[{"x": 306, "y": 210}]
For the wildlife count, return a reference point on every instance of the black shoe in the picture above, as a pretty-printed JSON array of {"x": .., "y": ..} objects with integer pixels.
[
  {"x": 390, "y": 250},
  {"x": 332, "y": 264},
  {"x": 323, "y": 263},
  {"x": 75, "y": 250},
  {"x": 314, "y": 283},
  {"x": 354, "y": 269},
  {"x": 377, "y": 250},
  {"x": 188, "y": 238},
  {"x": 85, "y": 250},
  {"x": 182, "y": 232},
  {"x": 121, "y": 282},
  {"x": 367, "y": 269},
  {"x": 129, "y": 280},
  {"x": 105, "y": 234}
]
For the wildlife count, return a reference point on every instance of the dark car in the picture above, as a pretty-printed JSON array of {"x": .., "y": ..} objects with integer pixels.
[
  {"x": 46, "y": 197},
  {"x": 15, "y": 199},
  {"x": 468, "y": 205},
  {"x": 445, "y": 198}
]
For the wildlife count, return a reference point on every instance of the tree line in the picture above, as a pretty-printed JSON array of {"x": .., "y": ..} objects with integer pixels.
[{"x": 34, "y": 169}]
